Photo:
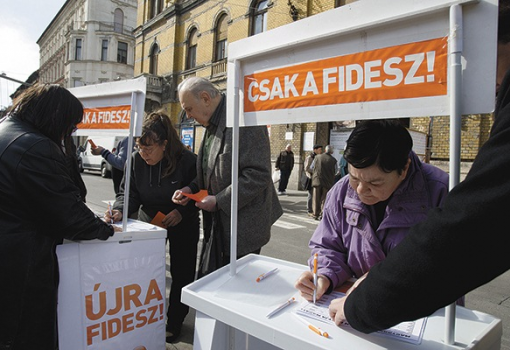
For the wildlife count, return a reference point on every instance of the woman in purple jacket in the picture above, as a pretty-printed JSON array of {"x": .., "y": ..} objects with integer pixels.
[{"x": 369, "y": 212}]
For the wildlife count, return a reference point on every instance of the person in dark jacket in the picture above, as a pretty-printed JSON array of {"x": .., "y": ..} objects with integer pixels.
[
  {"x": 162, "y": 165},
  {"x": 285, "y": 163},
  {"x": 324, "y": 169},
  {"x": 460, "y": 246},
  {"x": 40, "y": 205}
]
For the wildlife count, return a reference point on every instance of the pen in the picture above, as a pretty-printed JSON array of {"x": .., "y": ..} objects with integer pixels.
[
  {"x": 265, "y": 275},
  {"x": 281, "y": 307},
  {"x": 110, "y": 211},
  {"x": 313, "y": 328},
  {"x": 315, "y": 277}
]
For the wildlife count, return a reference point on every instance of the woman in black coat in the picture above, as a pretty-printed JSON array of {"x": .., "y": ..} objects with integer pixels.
[
  {"x": 162, "y": 165},
  {"x": 41, "y": 203}
]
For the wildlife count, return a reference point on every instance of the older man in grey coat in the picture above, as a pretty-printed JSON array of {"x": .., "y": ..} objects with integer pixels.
[{"x": 258, "y": 204}]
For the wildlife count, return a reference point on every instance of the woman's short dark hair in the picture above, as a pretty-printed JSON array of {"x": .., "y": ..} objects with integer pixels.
[
  {"x": 385, "y": 143},
  {"x": 51, "y": 109},
  {"x": 157, "y": 128}
]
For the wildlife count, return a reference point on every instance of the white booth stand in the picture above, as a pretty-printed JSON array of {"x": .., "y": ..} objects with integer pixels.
[
  {"x": 112, "y": 293},
  {"x": 231, "y": 314},
  {"x": 370, "y": 59}
]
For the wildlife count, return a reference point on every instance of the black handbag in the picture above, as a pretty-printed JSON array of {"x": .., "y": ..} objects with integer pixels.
[{"x": 211, "y": 257}]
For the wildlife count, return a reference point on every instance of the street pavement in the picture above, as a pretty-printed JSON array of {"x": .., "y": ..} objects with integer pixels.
[{"x": 289, "y": 242}]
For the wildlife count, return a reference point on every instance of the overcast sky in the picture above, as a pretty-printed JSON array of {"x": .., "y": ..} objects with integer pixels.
[{"x": 22, "y": 23}]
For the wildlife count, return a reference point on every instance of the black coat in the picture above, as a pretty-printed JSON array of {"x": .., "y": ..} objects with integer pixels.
[
  {"x": 457, "y": 249},
  {"x": 39, "y": 206}
]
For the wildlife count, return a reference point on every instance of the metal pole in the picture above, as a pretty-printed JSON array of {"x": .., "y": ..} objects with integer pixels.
[
  {"x": 455, "y": 129},
  {"x": 235, "y": 172},
  {"x": 127, "y": 171}
]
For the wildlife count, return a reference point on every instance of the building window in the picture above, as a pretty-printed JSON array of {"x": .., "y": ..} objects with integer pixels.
[
  {"x": 122, "y": 50},
  {"x": 77, "y": 51},
  {"x": 104, "y": 50},
  {"x": 118, "y": 21},
  {"x": 221, "y": 38},
  {"x": 156, "y": 7},
  {"x": 259, "y": 17},
  {"x": 77, "y": 82},
  {"x": 153, "y": 63},
  {"x": 191, "y": 60}
]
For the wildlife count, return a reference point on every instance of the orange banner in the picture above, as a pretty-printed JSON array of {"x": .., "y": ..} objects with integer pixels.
[
  {"x": 405, "y": 71},
  {"x": 117, "y": 117}
]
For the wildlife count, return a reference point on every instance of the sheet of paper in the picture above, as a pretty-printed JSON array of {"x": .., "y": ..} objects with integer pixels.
[
  {"x": 133, "y": 225},
  {"x": 158, "y": 220},
  {"x": 196, "y": 196},
  {"x": 411, "y": 332}
]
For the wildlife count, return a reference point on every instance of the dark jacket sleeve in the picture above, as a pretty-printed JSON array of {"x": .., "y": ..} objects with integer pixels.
[
  {"x": 457, "y": 249},
  {"x": 134, "y": 195},
  {"x": 52, "y": 198}
]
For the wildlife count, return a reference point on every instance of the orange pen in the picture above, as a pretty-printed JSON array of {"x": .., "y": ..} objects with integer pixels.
[{"x": 313, "y": 328}]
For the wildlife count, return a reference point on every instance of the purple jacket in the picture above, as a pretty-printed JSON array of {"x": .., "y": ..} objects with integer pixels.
[{"x": 347, "y": 244}]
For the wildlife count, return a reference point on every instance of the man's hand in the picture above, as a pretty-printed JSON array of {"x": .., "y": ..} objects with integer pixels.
[
  {"x": 305, "y": 285},
  {"x": 336, "y": 308},
  {"x": 172, "y": 218},
  {"x": 207, "y": 204},
  {"x": 179, "y": 198}
]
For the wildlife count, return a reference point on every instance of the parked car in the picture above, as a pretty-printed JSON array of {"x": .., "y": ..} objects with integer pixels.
[{"x": 98, "y": 163}]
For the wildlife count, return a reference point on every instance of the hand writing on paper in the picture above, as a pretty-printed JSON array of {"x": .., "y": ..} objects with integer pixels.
[
  {"x": 178, "y": 197},
  {"x": 336, "y": 308},
  {"x": 172, "y": 218},
  {"x": 115, "y": 215},
  {"x": 207, "y": 204},
  {"x": 305, "y": 285}
]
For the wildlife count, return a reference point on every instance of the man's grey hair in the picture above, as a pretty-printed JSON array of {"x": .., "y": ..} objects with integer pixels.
[
  {"x": 196, "y": 85},
  {"x": 330, "y": 149}
]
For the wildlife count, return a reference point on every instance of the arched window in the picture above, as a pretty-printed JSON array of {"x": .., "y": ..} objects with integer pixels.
[
  {"x": 118, "y": 21},
  {"x": 191, "y": 59},
  {"x": 153, "y": 63},
  {"x": 259, "y": 17},
  {"x": 221, "y": 38}
]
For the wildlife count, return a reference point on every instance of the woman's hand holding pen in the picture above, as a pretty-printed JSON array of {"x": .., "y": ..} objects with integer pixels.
[
  {"x": 115, "y": 215},
  {"x": 178, "y": 198},
  {"x": 305, "y": 285}
]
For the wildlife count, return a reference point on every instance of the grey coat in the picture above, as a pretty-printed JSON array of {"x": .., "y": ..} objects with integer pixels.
[{"x": 258, "y": 204}]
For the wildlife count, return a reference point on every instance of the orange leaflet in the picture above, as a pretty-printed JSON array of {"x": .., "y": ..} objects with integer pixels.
[
  {"x": 158, "y": 220},
  {"x": 198, "y": 197},
  {"x": 411, "y": 70},
  {"x": 117, "y": 117}
]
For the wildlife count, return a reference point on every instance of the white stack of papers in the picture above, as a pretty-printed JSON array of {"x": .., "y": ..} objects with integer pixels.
[{"x": 411, "y": 332}]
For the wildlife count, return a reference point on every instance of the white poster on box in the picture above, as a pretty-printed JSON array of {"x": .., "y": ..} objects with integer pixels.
[{"x": 121, "y": 296}]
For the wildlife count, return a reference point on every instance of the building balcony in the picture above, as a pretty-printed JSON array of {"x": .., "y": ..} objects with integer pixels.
[
  {"x": 219, "y": 68},
  {"x": 114, "y": 27}
]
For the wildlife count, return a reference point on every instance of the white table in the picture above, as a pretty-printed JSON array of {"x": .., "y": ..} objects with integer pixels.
[{"x": 231, "y": 314}]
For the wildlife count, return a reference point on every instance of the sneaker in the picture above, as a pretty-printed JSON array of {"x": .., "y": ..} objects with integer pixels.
[
  {"x": 284, "y": 192},
  {"x": 280, "y": 192},
  {"x": 172, "y": 334}
]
